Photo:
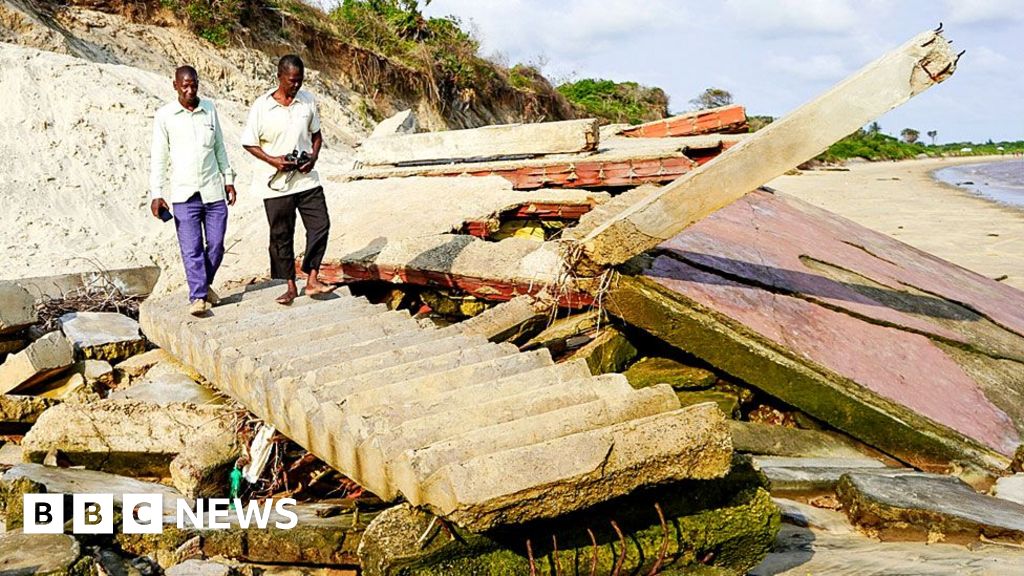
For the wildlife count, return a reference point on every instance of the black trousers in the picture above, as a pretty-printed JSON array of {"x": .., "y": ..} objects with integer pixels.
[{"x": 312, "y": 207}]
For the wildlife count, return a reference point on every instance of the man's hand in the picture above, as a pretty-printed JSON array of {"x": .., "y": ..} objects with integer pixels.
[
  {"x": 280, "y": 163},
  {"x": 156, "y": 205},
  {"x": 229, "y": 190},
  {"x": 308, "y": 166}
]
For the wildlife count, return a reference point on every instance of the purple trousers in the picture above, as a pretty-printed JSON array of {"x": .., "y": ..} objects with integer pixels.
[{"x": 201, "y": 229}]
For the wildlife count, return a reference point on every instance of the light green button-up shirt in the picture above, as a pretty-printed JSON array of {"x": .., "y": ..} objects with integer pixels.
[{"x": 191, "y": 145}]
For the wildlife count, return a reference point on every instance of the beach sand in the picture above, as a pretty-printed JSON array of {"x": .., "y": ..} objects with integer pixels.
[{"x": 902, "y": 199}]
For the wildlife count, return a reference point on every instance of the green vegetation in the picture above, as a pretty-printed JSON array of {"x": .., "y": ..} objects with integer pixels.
[
  {"x": 213, "y": 20},
  {"x": 616, "y": 102},
  {"x": 872, "y": 144},
  {"x": 711, "y": 98}
]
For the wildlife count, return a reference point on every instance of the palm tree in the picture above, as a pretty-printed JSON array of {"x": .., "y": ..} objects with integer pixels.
[{"x": 932, "y": 134}]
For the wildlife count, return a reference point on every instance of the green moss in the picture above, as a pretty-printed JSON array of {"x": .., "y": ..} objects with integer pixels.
[
  {"x": 650, "y": 371},
  {"x": 729, "y": 524}
]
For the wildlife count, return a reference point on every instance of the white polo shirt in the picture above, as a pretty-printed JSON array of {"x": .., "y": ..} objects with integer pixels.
[
  {"x": 191, "y": 145},
  {"x": 278, "y": 130}
]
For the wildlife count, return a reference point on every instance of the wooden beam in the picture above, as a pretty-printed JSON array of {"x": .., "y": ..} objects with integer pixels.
[
  {"x": 509, "y": 140},
  {"x": 882, "y": 85}
]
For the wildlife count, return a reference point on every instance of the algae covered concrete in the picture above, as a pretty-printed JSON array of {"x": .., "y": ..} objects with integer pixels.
[{"x": 726, "y": 524}]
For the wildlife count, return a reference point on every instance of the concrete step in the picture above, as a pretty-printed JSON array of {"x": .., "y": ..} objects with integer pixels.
[
  {"x": 276, "y": 341},
  {"x": 579, "y": 470},
  {"x": 261, "y": 301},
  {"x": 379, "y": 445},
  {"x": 413, "y": 467},
  {"x": 368, "y": 363},
  {"x": 366, "y": 344},
  {"x": 293, "y": 319},
  {"x": 339, "y": 388},
  {"x": 406, "y": 394},
  {"x": 345, "y": 334},
  {"x": 421, "y": 401}
]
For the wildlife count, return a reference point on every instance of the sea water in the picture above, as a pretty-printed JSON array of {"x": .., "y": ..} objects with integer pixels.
[{"x": 1000, "y": 181}]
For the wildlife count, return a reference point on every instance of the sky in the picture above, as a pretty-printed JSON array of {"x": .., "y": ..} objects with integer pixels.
[{"x": 772, "y": 55}]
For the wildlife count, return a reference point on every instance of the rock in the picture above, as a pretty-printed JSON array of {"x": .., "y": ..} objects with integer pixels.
[
  {"x": 25, "y": 478},
  {"x": 201, "y": 470},
  {"x": 403, "y": 122},
  {"x": 167, "y": 383},
  {"x": 42, "y": 555},
  {"x": 731, "y": 521},
  {"x": 10, "y": 454},
  {"x": 816, "y": 475},
  {"x": 138, "y": 365},
  {"x": 559, "y": 335},
  {"x": 825, "y": 315},
  {"x": 17, "y": 308},
  {"x": 609, "y": 351},
  {"x": 71, "y": 387},
  {"x": 653, "y": 370},
  {"x": 315, "y": 540},
  {"x": 96, "y": 372},
  {"x": 728, "y": 401},
  {"x": 449, "y": 305},
  {"x": 19, "y": 413},
  {"x": 41, "y": 360},
  {"x": 508, "y": 320},
  {"x": 928, "y": 506},
  {"x": 103, "y": 335},
  {"x": 770, "y": 440},
  {"x": 1010, "y": 488},
  {"x": 125, "y": 436},
  {"x": 200, "y": 568}
]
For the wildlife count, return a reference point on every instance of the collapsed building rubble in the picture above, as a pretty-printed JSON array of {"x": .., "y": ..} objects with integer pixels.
[{"x": 580, "y": 448}]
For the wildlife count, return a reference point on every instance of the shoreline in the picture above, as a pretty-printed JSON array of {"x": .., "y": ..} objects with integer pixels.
[
  {"x": 904, "y": 200},
  {"x": 973, "y": 189}
]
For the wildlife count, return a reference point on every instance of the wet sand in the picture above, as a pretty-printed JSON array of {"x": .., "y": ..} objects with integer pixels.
[{"x": 903, "y": 200}]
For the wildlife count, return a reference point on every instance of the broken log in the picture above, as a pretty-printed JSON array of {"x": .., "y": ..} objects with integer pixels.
[
  {"x": 510, "y": 140},
  {"x": 723, "y": 120},
  {"x": 924, "y": 61}
]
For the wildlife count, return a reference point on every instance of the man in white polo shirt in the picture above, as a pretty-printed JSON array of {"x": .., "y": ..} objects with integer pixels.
[
  {"x": 283, "y": 121},
  {"x": 187, "y": 138}
]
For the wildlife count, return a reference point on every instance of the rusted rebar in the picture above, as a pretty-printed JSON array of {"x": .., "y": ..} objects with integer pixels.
[
  {"x": 664, "y": 542},
  {"x": 593, "y": 552},
  {"x": 622, "y": 553}
]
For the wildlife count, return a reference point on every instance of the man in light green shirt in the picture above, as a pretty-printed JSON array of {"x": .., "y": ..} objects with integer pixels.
[{"x": 190, "y": 168}]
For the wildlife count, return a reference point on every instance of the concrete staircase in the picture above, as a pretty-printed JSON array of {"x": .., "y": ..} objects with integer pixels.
[{"x": 475, "y": 431}]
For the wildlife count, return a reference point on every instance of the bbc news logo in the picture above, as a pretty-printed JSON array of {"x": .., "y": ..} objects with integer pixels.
[{"x": 144, "y": 513}]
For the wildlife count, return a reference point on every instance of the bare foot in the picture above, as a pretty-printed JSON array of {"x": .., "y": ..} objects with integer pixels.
[
  {"x": 312, "y": 289},
  {"x": 286, "y": 298}
]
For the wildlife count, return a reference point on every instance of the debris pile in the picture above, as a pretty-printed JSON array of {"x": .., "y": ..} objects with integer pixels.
[{"x": 633, "y": 360}]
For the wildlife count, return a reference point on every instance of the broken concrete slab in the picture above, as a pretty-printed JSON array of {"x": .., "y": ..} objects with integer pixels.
[
  {"x": 609, "y": 351},
  {"x": 19, "y": 413},
  {"x": 508, "y": 320},
  {"x": 125, "y": 436},
  {"x": 729, "y": 523},
  {"x": 922, "y": 62},
  {"x": 42, "y": 554},
  {"x": 103, "y": 335},
  {"x": 928, "y": 506},
  {"x": 67, "y": 388},
  {"x": 201, "y": 469},
  {"x": 771, "y": 440},
  {"x": 817, "y": 475},
  {"x": 10, "y": 454},
  {"x": 725, "y": 120},
  {"x": 35, "y": 478},
  {"x": 128, "y": 281},
  {"x": 567, "y": 333},
  {"x": 493, "y": 271},
  {"x": 653, "y": 370},
  {"x": 167, "y": 383},
  {"x": 505, "y": 140},
  {"x": 731, "y": 286},
  {"x": 136, "y": 366},
  {"x": 1010, "y": 488},
  {"x": 318, "y": 538},
  {"x": 17, "y": 308},
  {"x": 403, "y": 122},
  {"x": 43, "y": 359},
  {"x": 728, "y": 401},
  {"x": 693, "y": 443}
]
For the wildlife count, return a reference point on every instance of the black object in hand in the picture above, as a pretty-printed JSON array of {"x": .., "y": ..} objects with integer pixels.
[
  {"x": 164, "y": 214},
  {"x": 297, "y": 159}
]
